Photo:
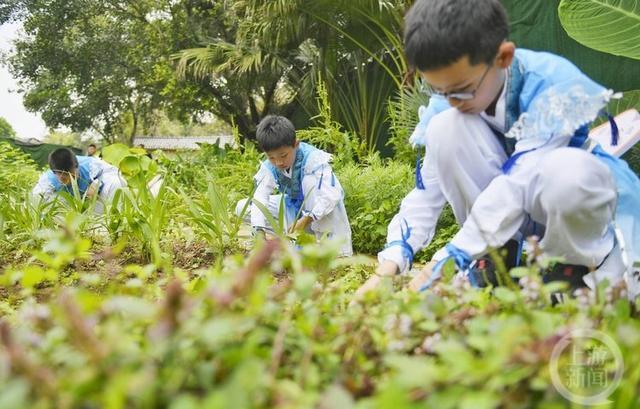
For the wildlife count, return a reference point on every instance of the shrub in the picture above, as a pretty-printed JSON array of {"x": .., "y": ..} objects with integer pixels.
[
  {"x": 18, "y": 172},
  {"x": 232, "y": 169},
  {"x": 373, "y": 192}
]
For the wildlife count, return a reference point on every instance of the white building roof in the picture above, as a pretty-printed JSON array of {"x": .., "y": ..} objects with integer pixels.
[{"x": 181, "y": 142}]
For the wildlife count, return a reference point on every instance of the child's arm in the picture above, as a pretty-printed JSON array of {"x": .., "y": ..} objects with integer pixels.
[
  {"x": 413, "y": 227},
  {"x": 410, "y": 230},
  {"x": 43, "y": 190},
  {"x": 265, "y": 183},
  {"x": 328, "y": 192}
]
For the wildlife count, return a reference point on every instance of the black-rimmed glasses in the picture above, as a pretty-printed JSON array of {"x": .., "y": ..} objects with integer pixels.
[{"x": 463, "y": 96}]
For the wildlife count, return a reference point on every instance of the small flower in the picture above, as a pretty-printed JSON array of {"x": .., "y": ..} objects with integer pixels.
[
  {"x": 585, "y": 298},
  {"x": 396, "y": 345},
  {"x": 404, "y": 326},
  {"x": 531, "y": 287},
  {"x": 390, "y": 323},
  {"x": 430, "y": 342}
]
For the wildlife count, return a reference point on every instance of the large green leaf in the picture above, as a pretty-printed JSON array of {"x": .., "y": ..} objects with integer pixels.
[
  {"x": 610, "y": 26},
  {"x": 115, "y": 153},
  {"x": 130, "y": 165}
]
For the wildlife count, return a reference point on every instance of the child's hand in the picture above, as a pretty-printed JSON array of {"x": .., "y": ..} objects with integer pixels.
[
  {"x": 369, "y": 285},
  {"x": 92, "y": 190},
  {"x": 385, "y": 269},
  {"x": 301, "y": 224},
  {"x": 261, "y": 234},
  {"x": 422, "y": 277}
]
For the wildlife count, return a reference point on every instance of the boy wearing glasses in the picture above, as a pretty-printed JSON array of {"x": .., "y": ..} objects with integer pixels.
[
  {"x": 92, "y": 175},
  {"x": 506, "y": 137}
]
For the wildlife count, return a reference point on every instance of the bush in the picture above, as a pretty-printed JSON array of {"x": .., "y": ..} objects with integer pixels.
[
  {"x": 373, "y": 192},
  {"x": 234, "y": 336},
  {"x": 6, "y": 130},
  {"x": 403, "y": 118},
  {"x": 18, "y": 172},
  {"x": 231, "y": 169}
]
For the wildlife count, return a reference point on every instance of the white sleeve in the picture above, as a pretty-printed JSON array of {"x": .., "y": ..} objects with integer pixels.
[
  {"x": 436, "y": 105},
  {"x": 43, "y": 189},
  {"x": 98, "y": 167},
  {"x": 328, "y": 192},
  {"x": 265, "y": 183},
  {"x": 415, "y": 223}
]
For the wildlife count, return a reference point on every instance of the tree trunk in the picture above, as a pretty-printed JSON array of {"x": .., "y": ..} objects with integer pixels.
[{"x": 134, "y": 127}]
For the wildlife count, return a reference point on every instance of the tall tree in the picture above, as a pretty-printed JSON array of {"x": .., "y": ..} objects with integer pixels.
[
  {"x": 6, "y": 130},
  {"x": 102, "y": 65},
  {"x": 105, "y": 64},
  {"x": 282, "y": 47},
  {"x": 250, "y": 76}
]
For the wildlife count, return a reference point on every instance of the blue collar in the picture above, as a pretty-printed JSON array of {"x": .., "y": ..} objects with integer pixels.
[{"x": 291, "y": 187}]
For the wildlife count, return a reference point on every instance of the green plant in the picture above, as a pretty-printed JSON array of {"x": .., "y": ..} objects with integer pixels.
[
  {"x": 6, "y": 130},
  {"x": 61, "y": 245},
  {"x": 328, "y": 135},
  {"x": 373, "y": 192},
  {"x": 23, "y": 217},
  {"x": 146, "y": 212},
  {"x": 604, "y": 25},
  {"x": 232, "y": 168},
  {"x": 146, "y": 218},
  {"x": 235, "y": 335},
  {"x": 212, "y": 213},
  {"x": 18, "y": 172},
  {"x": 403, "y": 117}
]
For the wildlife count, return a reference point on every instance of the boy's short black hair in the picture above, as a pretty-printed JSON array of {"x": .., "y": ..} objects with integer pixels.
[
  {"x": 439, "y": 32},
  {"x": 274, "y": 132},
  {"x": 63, "y": 160},
  {"x": 92, "y": 144}
]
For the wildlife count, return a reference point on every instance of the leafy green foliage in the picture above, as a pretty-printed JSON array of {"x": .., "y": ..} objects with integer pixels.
[
  {"x": 103, "y": 66},
  {"x": 373, "y": 192},
  {"x": 6, "y": 130},
  {"x": 329, "y": 136},
  {"x": 236, "y": 335},
  {"x": 232, "y": 169},
  {"x": 403, "y": 115},
  {"x": 22, "y": 217},
  {"x": 277, "y": 51},
  {"x": 604, "y": 25},
  {"x": 64, "y": 138},
  {"x": 213, "y": 213},
  {"x": 18, "y": 172}
]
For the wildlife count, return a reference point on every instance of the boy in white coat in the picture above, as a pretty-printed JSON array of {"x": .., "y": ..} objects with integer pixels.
[
  {"x": 303, "y": 175},
  {"x": 93, "y": 176},
  {"x": 506, "y": 136}
]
